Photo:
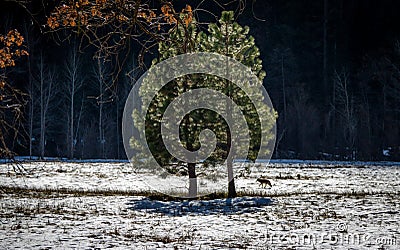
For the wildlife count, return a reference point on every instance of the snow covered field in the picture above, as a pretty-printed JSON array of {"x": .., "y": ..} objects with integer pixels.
[{"x": 310, "y": 206}]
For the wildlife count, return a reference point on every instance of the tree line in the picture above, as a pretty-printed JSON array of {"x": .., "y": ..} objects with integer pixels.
[
  {"x": 71, "y": 112},
  {"x": 332, "y": 74}
]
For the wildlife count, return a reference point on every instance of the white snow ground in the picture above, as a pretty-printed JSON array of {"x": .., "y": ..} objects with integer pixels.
[{"x": 310, "y": 206}]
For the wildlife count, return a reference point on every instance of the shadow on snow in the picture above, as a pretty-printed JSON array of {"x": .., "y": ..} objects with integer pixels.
[{"x": 200, "y": 207}]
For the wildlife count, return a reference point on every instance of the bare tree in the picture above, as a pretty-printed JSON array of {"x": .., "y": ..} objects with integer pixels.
[
  {"x": 31, "y": 109},
  {"x": 74, "y": 81},
  {"x": 46, "y": 91},
  {"x": 102, "y": 79},
  {"x": 345, "y": 107},
  {"x": 31, "y": 43},
  {"x": 283, "y": 74},
  {"x": 386, "y": 71}
]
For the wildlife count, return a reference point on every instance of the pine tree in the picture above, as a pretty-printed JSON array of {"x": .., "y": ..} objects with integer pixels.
[
  {"x": 230, "y": 39},
  {"x": 226, "y": 38},
  {"x": 180, "y": 41}
]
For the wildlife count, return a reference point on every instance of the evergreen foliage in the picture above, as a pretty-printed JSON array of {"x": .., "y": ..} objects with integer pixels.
[{"x": 226, "y": 38}]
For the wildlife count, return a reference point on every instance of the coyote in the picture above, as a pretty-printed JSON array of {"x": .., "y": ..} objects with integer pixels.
[{"x": 264, "y": 182}]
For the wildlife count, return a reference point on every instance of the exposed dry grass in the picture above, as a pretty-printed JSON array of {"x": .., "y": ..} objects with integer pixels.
[{"x": 57, "y": 192}]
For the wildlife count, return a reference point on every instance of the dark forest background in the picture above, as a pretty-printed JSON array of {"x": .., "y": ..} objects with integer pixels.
[{"x": 333, "y": 75}]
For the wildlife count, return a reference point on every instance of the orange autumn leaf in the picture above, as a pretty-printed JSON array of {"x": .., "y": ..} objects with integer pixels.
[
  {"x": 165, "y": 9},
  {"x": 9, "y": 52},
  {"x": 19, "y": 42},
  {"x": 122, "y": 18},
  {"x": 94, "y": 11},
  {"x": 52, "y": 22},
  {"x": 142, "y": 14},
  {"x": 187, "y": 11}
]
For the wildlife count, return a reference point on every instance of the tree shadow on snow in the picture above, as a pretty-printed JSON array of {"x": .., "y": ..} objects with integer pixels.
[{"x": 200, "y": 207}]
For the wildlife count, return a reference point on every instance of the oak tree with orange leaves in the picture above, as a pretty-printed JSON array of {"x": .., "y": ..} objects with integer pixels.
[
  {"x": 111, "y": 25},
  {"x": 11, "y": 99}
]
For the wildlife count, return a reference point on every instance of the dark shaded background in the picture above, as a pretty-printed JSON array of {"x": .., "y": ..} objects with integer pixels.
[{"x": 319, "y": 116}]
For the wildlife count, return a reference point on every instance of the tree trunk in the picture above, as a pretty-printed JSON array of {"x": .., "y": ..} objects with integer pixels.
[
  {"x": 325, "y": 41},
  {"x": 191, "y": 166},
  {"x": 31, "y": 105},
  {"x": 31, "y": 47},
  {"x": 71, "y": 125},
  {"x": 74, "y": 84},
  {"x": 42, "y": 112},
  {"x": 101, "y": 130},
  {"x": 42, "y": 126},
  {"x": 231, "y": 184},
  {"x": 192, "y": 180},
  {"x": 229, "y": 160},
  {"x": 101, "y": 103},
  {"x": 79, "y": 118},
  {"x": 117, "y": 124}
]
